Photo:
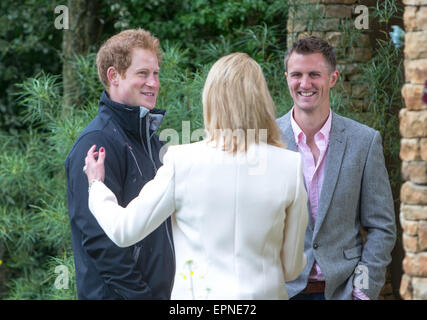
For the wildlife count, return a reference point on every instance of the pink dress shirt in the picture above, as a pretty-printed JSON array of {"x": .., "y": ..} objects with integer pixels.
[{"x": 313, "y": 176}]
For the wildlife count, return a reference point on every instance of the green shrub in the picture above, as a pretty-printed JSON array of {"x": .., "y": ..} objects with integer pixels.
[{"x": 33, "y": 193}]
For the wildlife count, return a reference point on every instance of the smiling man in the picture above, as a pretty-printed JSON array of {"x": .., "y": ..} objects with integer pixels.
[
  {"x": 346, "y": 181},
  {"x": 128, "y": 67}
]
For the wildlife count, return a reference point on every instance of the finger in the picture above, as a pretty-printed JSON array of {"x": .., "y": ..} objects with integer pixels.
[
  {"x": 90, "y": 158},
  {"x": 85, "y": 166},
  {"x": 90, "y": 151},
  {"x": 101, "y": 156}
]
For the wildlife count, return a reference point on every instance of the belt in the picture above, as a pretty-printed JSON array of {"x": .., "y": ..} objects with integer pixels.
[{"x": 315, "y": 287}]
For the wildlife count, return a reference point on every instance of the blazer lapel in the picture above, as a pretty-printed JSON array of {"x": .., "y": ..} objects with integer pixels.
[
  {"x": 289, "y": 139},
  {"x": 337, "y": 144}
]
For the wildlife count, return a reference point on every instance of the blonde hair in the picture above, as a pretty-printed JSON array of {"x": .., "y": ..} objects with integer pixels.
[
  {"x": 237, "y": 107},
  {"x": 117, "y": 52}
]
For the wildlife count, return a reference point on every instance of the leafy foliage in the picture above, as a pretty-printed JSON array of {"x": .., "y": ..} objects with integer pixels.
[
  {"x": 200, "y": 24},
  {"x": 33, "y": 195},
  {"x": 29, "y": 43}
]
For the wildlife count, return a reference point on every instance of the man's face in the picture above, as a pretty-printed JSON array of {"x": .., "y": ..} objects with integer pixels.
[
  {"x": 140, "y": 84},
  {"x": 309, "y": 81}
]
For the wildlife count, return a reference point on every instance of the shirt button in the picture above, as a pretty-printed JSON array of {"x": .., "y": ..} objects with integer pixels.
[{"x": 315, "y": 246}]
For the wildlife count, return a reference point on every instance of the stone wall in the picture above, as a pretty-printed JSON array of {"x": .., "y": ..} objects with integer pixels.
[{"x": 413, "y": 153}]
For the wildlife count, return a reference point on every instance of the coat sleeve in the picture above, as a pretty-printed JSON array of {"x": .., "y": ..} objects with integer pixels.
[
  {"x": 115, "y": 265},
  {"x": 293, "y": 257},
  {"x": 154, "y": 204},
  {"x": 378, "y": 219}
]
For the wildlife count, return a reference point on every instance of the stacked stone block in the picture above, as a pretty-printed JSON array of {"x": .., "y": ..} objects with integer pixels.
[{"x": 413, "y": 153}]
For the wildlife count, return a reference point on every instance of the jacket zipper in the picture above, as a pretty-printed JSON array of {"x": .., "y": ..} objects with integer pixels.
[
  {"x": 137, "y": 248},
  {"x": 136, "y": 252},
  {"x": 134, "y": 158},
  {"x": 147, "y": 135},
  {"x": 147, "y": 131}
]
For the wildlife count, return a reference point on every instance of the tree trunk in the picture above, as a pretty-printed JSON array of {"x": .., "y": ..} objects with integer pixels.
[{"x": 84, "y": 30}]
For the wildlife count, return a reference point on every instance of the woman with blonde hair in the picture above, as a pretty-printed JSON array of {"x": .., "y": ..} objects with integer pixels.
[{"x": 237, "y": 198}]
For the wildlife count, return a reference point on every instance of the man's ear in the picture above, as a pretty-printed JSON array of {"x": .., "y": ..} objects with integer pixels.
[
  {"x": 333, "y": 78},
  {"x": 113, "y": 76},
  {"x": 286, "y": 75}
]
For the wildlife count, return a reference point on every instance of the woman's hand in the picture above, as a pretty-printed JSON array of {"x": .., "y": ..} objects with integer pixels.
[{"x": 94, "y": 168}]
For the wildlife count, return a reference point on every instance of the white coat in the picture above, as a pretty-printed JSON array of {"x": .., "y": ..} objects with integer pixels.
[{"x": 238, "y": 220}]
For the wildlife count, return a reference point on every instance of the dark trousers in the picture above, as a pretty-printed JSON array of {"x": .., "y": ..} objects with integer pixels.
[
  {"x": 315, "y": 290},
  {"x": 309, "y": 296}
]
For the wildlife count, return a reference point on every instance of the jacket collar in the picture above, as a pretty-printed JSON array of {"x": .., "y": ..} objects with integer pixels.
[{"x": 129, "y": 117}]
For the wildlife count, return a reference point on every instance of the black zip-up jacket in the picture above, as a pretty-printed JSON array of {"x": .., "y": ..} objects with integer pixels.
[{"x": 103, "y": 270}]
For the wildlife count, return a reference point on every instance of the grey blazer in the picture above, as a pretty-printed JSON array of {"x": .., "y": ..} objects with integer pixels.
[{"x": 355, "y": 193}]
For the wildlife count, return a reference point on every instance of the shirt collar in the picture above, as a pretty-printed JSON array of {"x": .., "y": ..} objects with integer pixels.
[{"x": 299, "y": 134}]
